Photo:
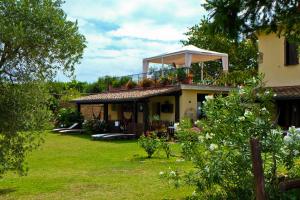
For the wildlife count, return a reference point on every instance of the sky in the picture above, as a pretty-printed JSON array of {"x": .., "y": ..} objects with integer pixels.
[{"x": 120, "y": 33}]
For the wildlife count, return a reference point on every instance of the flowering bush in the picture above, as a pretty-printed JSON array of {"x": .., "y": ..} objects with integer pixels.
[
  {"x": 221, "y": 150},
  {"x": 150, "y": 143}
]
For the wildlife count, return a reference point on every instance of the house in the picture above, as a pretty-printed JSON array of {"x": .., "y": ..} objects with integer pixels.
[
  {"x": 134, "y": 110},
  {"x": 279, "y": 62}
]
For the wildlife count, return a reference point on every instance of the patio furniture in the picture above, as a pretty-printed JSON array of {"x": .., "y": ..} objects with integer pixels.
[{"x": 73, "y": 126}]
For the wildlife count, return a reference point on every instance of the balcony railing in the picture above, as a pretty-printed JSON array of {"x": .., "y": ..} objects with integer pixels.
[{"x": 175, "y": 76}]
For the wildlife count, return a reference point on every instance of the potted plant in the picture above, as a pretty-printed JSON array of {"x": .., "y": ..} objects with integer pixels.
[
  {"x": 164, "y": 81},
  {"x": 145, "y": 83},
  {"x": 130, "y": 84}
]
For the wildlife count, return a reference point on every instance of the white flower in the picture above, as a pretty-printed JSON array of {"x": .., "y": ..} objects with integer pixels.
[
  {"x": 264, "y": 109},
  {"x": 200, "y": 138},
  {"x": 172, "y": 173},
  {"x": 275, "y": 95},
  {"x": 287, "y": 139},
  {"x": 275, "y": 132},
  {"x": 194, "y": 193},
  {"x": 248, "y": 113},
  {"x": 206, "y": 169},
  {"x": 242, "y": 118},
  {"x": 208, "y": 136},
  {"x": 161, "y": 173},
  {"x": 209, "y": 97},
  {"x": 296, "y": 152},
  {"x": 213, "y": 147},
  {"x": 241, "y": 91},
  {"x": 267, "y": 92}
]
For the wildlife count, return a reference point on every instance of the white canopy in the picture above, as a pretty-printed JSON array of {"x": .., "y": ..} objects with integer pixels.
[{"x": 186, "y": 56}]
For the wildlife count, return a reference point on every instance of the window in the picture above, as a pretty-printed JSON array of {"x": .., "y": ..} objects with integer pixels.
[{"x": 291, "y": 54}]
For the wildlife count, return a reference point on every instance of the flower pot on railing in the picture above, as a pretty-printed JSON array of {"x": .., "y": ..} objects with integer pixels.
[
  {"x": 164, "y": 81},
  {"x": 130, "y": 85},
  {"x": 146, "y": 83}
]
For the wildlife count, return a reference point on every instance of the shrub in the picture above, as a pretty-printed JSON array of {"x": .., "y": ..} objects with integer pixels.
[
  {"x": 68, "y": 116},
  {"x": 165, "y": 146},
  {"x": 130, "y": 84},
  {"x": 145, "y": 83},
  {"x": 150, "y": 143},
  {"x": 221, "y": 151},
  {"x": 95, "y": 126}
]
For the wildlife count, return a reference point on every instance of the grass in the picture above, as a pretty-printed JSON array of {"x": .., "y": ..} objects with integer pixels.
[{"x": 74, "y": 167}]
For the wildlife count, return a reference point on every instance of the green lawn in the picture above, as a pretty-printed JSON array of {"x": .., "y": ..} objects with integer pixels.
[{"x": 74, "y": 167}]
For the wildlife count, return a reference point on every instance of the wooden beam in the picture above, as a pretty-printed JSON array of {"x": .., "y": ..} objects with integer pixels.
[
  {"x": 78, "y": 107},
  {"x": 146, "y": 115},
  {"x": 257, "y": 169},
  {"x": 177, "y": 108},
  {"x": 105, "y": 114}
]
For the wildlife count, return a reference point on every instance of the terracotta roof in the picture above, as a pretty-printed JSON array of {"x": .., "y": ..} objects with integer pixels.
[
  {"x": 128, "y": 95},
  {"x": 287, "y": 92}
]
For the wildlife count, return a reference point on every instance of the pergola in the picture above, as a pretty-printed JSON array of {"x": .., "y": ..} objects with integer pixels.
[{"x": 186, "y": 56}]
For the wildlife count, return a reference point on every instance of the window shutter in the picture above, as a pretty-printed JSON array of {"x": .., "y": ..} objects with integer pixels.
[{"x": 291, "y": 54}]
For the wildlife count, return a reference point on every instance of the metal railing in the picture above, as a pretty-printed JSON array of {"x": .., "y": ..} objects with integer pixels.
[{"x": 162, "y": 77}]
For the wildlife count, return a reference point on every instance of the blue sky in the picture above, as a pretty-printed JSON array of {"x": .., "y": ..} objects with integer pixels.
[{"x": 120, "y": 33}]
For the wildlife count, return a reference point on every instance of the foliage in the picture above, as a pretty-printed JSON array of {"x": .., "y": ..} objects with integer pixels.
[
  {"x": 164, "y": 80},
  {"x": 235, "y": 78},
  {"x": 234, "y": 18},
  {"x": 130, "y": 84},
  {"x": 68, "y": 116},
  {"x": 242, "y": 54},
  {"x": 165, "y": 146},
  {"x": 36, "y": 40},
  {"x": 150, "y": 143},
  {"x": 220, "y": 149},
  {"x": 94, "y": 126},
  {"x": 145, "y": 83},
  {"x": 23, "y": 114},
  {"x": 118, "y": 82},
  {"x": 181, "y": 74}
]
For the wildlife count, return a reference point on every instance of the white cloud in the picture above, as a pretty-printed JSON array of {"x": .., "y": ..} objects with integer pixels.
[
  {"x": 149, "y": 30},
  {"x": 121, "y": 33}
]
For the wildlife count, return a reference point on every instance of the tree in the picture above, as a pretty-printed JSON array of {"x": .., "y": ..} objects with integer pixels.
[
  {"x": 236, "y": 17},
  {"x": 36, "y": 40},
  {"x": 242, "y": 54}
]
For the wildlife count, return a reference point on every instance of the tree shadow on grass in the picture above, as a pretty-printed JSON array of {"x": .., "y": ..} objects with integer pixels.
[{"x": 4, "y": 191}]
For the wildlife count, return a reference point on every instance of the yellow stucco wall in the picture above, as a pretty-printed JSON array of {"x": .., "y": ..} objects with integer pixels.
[
  {"x": 113, "y": 114},
  {"x": 162, "y": 100},
  {"x": 188, "y": 103},
  {"x": 272, "y": 65}
]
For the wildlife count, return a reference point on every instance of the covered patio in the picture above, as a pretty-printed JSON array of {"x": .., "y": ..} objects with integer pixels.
[{"x": 130, "y": 111}]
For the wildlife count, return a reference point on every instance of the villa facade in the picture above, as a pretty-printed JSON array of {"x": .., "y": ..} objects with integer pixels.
[
  {"x": 279, "y": 62},
  {"x": 134, "y": 110}
]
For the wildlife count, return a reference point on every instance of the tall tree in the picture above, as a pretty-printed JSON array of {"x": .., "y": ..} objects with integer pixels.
[
  {"x": 36, "y": 40},
  {"x": 236, "y": 17},
  {"x": 242, "y": 53}
]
